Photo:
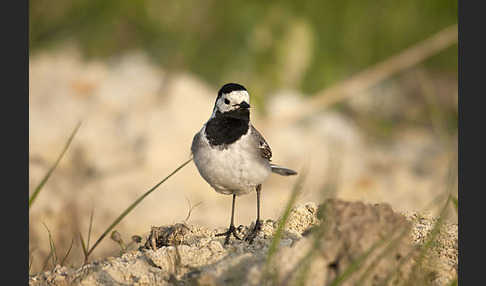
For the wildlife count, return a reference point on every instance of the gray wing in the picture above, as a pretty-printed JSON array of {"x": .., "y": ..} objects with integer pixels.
[
  {"x": 263, "y": 146},
  {"x": 196, "y": 142}
]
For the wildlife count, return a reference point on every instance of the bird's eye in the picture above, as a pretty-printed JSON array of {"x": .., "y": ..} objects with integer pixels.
[{"x": 226, "y": 101}]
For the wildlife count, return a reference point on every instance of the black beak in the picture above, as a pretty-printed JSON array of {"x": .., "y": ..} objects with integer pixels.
[
  {"x": 243, "y": 105},
  {"x": 242, "y": 111}
]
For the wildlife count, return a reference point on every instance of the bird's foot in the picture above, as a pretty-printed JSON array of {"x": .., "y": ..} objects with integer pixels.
[
  {"x": 251, "y": 236},
  {"x": 231, "y": 231}
]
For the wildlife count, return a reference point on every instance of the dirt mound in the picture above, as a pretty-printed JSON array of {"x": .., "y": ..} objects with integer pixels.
[{"x": 350, "y": 241}]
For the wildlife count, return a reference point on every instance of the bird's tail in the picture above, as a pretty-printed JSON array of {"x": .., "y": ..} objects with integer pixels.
[{"x": 282, "y": 171}]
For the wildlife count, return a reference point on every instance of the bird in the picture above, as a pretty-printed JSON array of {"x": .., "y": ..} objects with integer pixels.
[{"x": 231, "y": 155}]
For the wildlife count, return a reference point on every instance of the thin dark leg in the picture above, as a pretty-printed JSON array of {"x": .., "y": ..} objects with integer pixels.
[
  {"x": 258, "y": 189},
  {"x": 258, "y": 223},
  {"x": 232, "y": 229}
]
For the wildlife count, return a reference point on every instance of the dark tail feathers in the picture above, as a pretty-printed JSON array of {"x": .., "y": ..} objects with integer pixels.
[{"x": 282, "y": 171}]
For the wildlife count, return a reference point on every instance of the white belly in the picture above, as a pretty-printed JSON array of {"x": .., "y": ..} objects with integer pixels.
[{"x": 238, "y": 169}]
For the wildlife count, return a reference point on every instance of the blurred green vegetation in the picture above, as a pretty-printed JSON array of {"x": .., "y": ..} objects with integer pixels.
[{"x": 306, "y": 45}]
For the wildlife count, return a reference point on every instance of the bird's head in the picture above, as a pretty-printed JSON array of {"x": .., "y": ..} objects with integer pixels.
[{"x": 233, "y": 101}]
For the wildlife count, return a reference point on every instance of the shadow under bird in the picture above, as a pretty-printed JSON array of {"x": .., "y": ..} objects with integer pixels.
[{"x": 231, "y": 155}]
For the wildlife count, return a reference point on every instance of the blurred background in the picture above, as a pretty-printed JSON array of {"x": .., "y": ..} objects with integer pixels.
[{"x": 362, "y": 94}]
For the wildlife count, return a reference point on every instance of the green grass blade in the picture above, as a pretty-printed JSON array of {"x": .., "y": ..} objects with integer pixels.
[
  {"x": 305, "y": 262},
  {"x": 402, "y": 262},
  {"x": 454, "y": 203},
  {"x": 52, "y": 246},
  {"x": 133, "y": 205},
  {"x": 281, "y": 226},
  {"x": 355, "y": 265},
  {"x": 394, "y": 271},
  {"x": 429, "y": 243},
  {"x": 31, "y": 262},
  {"x": 49, "y": 173},
  {"x": 303, "y": 266},
  {"x": 85, "y": 249},
  {"x": 67, "y": 253},
  {"x": 329, "y": 190},
  {"x": 46, "y": 261},
  {"x": 90, "y": 227},
  {"x": 392, "y": 245}
]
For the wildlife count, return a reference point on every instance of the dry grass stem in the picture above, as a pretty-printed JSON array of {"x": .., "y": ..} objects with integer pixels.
[
  {"x": 373, "y": 75},
  {"x": 51, "y": 170}
]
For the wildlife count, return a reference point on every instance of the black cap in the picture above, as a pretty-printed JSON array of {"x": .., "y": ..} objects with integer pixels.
[{"x": 229, "y": 87}]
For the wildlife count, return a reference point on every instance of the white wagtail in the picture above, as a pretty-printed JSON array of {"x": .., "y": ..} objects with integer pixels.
[{"x": 231, "y": 155}]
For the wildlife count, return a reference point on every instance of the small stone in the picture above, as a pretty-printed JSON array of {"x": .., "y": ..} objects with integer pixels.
[
  {"x": 286, "y": 242},
  {"x": 215, "y": 246}
]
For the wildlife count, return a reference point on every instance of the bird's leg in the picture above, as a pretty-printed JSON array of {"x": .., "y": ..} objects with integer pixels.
[
  {"x": 232, "y": 229},
  {"x": 258, "y": 223}
]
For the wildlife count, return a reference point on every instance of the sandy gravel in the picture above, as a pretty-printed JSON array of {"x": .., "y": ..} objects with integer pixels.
[{"x": 320, "y": 242}]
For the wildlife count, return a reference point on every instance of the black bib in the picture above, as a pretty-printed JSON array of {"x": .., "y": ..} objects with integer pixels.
[{"x": 226, "y": 129}]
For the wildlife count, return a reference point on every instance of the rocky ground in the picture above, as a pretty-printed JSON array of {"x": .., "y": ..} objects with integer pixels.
[{"x": 319, "y": 245}]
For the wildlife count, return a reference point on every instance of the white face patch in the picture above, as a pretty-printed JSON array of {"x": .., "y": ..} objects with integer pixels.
[{"x": 230, "y": 101}]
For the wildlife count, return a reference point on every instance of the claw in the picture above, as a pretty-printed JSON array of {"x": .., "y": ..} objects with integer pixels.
[
  {"x": 251, "y": 236},
  {"x": 231, "y": 231}
]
